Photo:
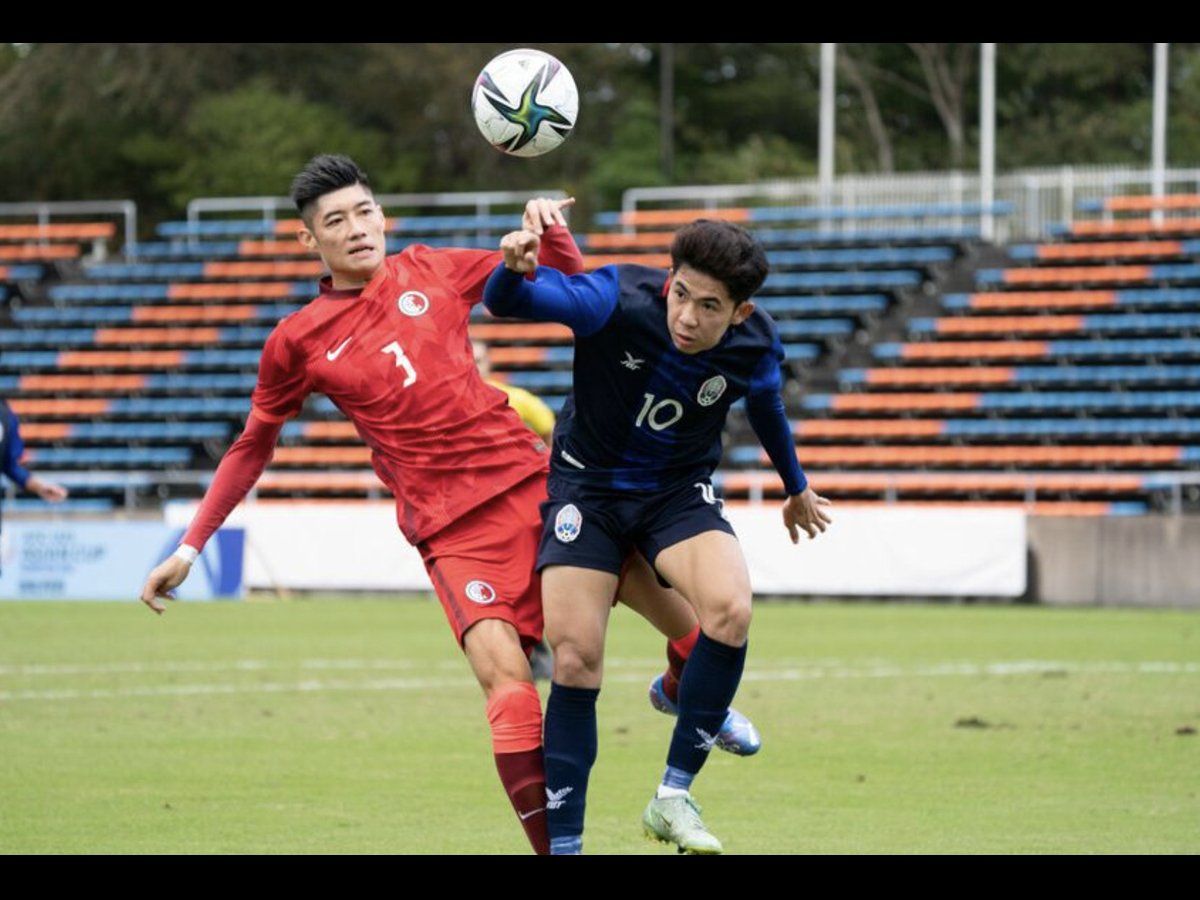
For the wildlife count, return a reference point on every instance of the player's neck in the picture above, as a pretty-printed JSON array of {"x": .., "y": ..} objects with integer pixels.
[{"x": 356, "y": 282}]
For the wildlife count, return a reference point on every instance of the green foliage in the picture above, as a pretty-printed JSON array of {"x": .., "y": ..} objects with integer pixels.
[
  {"x": 249, "y": 141},
  {"x": 161, "y": 123}
]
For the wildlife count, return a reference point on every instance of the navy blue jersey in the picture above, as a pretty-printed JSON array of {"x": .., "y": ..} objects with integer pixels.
[
  {"x": 643, "y": 416},
  {"x": 11, "y": 447}
]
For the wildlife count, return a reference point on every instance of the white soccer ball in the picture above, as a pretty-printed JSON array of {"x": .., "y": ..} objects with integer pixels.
[{"x": 525, "y": 102}]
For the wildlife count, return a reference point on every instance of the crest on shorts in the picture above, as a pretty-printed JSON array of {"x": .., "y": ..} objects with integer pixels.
[
  {"x": 568, "y": 523},
  {"x": 711, "y": 390},
  {"x": 413, "y": 303},
  {"x": 481, "y": 592}
]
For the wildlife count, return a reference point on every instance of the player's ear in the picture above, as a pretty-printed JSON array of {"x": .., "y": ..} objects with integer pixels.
[
  {"x": 306, "y": 238},
  {"x": 744, "y": 310}
]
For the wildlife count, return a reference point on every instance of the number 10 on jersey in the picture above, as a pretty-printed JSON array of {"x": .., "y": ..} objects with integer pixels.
[{"x": 659, "y": 414}]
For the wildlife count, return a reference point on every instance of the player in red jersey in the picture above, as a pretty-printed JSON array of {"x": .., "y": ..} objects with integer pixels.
[{"x": 386, "y": 340}]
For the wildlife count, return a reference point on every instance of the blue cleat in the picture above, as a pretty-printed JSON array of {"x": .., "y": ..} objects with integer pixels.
[{"x": 737, "y": 735}]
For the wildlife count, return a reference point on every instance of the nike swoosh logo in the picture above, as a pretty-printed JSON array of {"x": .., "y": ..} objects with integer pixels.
[
  {"x": 524, "y": 816},
  {"x": 332, "y": 355}
]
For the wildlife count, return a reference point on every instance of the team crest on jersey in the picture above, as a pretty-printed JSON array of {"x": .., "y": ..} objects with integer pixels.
[
  {"x": 481, "y": 592},
  {"x": 568, "y": 523},
  {"x": 413, "y": 303},
  {"x": 711, "y": 390}
]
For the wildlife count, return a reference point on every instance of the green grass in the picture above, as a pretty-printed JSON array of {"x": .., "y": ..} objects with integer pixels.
[{"x": 354, "y": 726}]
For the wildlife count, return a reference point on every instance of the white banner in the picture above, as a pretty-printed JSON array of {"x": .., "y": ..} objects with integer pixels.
[
  {"x": 109, "y": 561},
  {"x": 889, "y": 552},
  {"x": 878, "y": 551}
]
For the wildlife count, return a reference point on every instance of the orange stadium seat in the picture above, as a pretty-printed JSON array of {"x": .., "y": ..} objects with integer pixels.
[
  {"x": 682, "y": 216},
  {"x": 1109, "y": 250},
  {"x": 130, "y": 336},
  {"x": 274, "y": 248},
  {"x": 248, "y": 291},
  {"x": 1135, "y": 226},
  {"x": 522, "y": 331},
  {"x": 131, "y": 359},
  {"x": 1043, "y": 300},
  {"x": 1013, "y": 324},
  {"x": 94, "y": 384},
  {"x": 301, "y": 269},
  {"x": 645, "y": 240},
  {"x": 87, "y": 231},
  {"x": 320, "y": 482},
  {"x": 24, "y": 406},
  {"x": 991, "y": 456},
  {"x": 977, "y": 350},
  {"x": 330, "y": 431},
  {"x": 38, "y": 252},
  {"x": 909, "y": 402},
  {"x": 322, "y": 456},
  {"x": 194, "y": 314},
  {"x": 657, "y": 260},
  {"x": 1144, "y": 203},
  {"x": 1078, "y": 275},
  {"x": 932, "y": 377},
  {"x": 45, "y": 432}
]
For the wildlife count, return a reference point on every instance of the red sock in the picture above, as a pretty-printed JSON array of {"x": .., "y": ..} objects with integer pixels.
[
  {"x": 515, "y": 715},
  {"x": 678, "y": 652}
]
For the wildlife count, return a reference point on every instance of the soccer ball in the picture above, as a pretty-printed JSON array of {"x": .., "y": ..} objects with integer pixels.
[{"x": 525, "y": 102}]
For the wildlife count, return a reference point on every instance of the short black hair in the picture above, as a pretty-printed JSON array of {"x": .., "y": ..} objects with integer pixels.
[
  {"x": 323, "y": 175},
  {"x": 724, "y": 251}
]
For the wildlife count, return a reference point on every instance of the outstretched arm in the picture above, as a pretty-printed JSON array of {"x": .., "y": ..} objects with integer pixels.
[
  {"x": 558, "y": 250},
  {"x": 582, "y": 302},
  {"x": 804, "y": 509},
  {"x": 237, "y": 473}
]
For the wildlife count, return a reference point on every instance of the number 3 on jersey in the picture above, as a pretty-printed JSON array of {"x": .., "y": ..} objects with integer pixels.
[
  {"x": 402, "y": 361},
  {"x": 659, "y": 415}
]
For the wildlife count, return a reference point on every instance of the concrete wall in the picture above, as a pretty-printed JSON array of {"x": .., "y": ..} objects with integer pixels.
[{"x": 1136, "y": 561}]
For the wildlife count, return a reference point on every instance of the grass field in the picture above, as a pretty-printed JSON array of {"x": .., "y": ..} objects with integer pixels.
[{"x": 353, "y": 726}]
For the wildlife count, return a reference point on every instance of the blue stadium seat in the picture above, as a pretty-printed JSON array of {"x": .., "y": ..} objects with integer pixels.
[
  {"x": 868, "y": 256},
  {"x": 867, "y": 280},
  {"x": 150, "y": 431},
  {"x": 216, "y": 228},
  {"x": 833, "y": 304},
  {"x": 181, "y": 406},
  {"x": 146, "y": 271},
  {"x": 103, "y": 457}
]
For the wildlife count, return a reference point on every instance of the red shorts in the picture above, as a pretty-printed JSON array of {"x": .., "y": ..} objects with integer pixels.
[{"x": 482, "y": 565}]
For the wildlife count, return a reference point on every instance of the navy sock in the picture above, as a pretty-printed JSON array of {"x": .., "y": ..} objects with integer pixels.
[
  {"x": 709, "y": 682},
  {"x": 570, "y": 747}
]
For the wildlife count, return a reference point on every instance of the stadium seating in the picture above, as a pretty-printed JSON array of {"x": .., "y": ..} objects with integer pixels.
[
  {"x": 1068, "y": 382},
  {"x": 1069, "y": 377}
]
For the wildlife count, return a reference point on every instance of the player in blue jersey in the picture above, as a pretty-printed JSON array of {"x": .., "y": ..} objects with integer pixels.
[
  {"x": 659, "y": 359},
  {"x": 12, "y": 448}
]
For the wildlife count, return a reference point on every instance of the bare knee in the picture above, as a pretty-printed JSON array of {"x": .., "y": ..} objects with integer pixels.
[
  {"x": 727, "y": 621},
  {"x": 494, "y": 651},
  {"x": 578, "y": 663}
]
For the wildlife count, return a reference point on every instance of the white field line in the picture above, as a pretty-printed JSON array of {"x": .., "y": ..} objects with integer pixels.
[{"x": 645, "y": 670}]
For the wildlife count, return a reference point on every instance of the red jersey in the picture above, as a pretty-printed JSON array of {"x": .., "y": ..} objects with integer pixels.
[{"x": 397, "y": 361}]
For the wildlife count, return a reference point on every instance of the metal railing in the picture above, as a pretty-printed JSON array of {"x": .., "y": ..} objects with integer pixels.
[
  {"x": 45, "y": 213},
  {"x": 480, "y": 203},
  {"x": 1039, "y": 197}
]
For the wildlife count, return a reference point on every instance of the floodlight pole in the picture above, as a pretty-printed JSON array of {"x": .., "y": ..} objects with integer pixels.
[
  {"x": 825, "y": 154},
  {"x": 987, "y": 139},
  {"x": 1158, "y": 150}
]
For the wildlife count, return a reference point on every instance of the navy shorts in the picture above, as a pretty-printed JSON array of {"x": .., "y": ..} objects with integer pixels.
[{"x": 596, "y": 529}]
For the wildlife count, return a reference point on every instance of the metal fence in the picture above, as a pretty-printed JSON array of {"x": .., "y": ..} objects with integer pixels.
[{"x": 1039, "y": 198}]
